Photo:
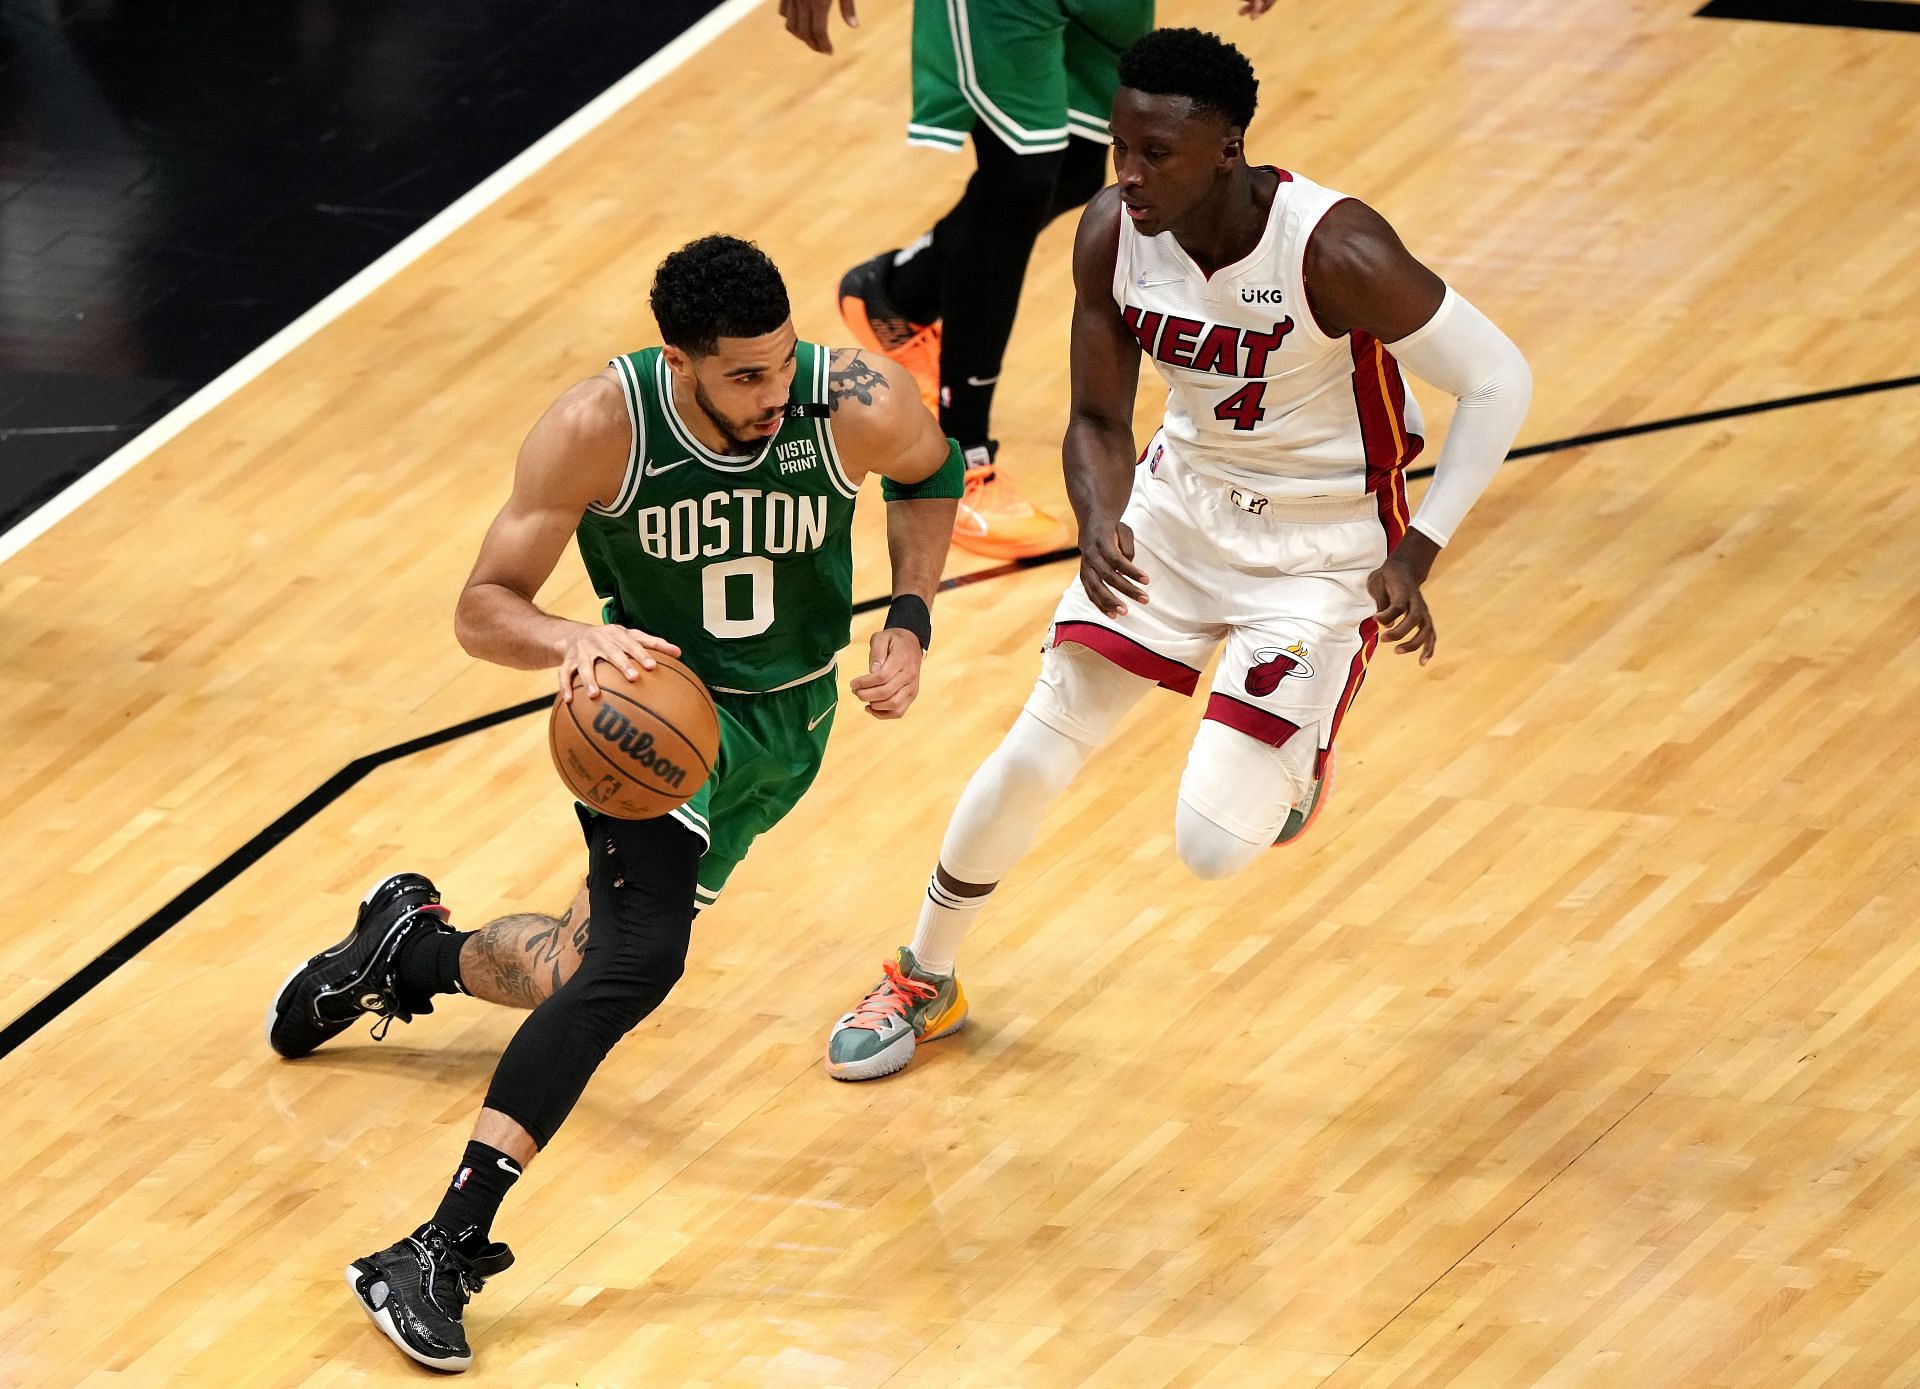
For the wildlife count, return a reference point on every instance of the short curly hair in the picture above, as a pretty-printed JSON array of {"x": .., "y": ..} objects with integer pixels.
[
  {"x": 717, "y": 287},
  {"x": 1205, "y": 68}
]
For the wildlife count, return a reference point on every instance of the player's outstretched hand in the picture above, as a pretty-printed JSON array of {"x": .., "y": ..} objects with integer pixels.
[
  {"x": 1401, "y": 609},
  {"x": 807, "y": 20},
  {"x": 1107, "y": 570},
  {"x": 1253, "y": 9},
  {"x": 624, "y": 648},
  {"x": 893, "y": 673}
]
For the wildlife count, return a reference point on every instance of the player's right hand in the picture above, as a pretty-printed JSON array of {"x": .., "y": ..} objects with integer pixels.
[
  {"x": 807, "y": 21},
  {"x": 624, "y": 648},
  {"x": 1107, "y": 570}
]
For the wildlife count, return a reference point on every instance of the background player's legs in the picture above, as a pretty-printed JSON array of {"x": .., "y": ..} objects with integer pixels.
[
  {"x": 1235, "y": 794},
  {"x": 968, "y": 271}
]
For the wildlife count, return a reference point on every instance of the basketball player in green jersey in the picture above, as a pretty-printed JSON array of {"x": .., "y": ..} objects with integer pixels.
[{"x": 710, "y": 486}]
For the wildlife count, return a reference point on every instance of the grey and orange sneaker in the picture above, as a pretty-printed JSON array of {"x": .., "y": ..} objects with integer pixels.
[
  {"x": 1300, "y": 819},
  {"x": 908, "y": 1006}
]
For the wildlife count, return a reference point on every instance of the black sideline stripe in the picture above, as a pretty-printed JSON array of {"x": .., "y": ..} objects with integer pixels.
[
  {"x": 240, "y": 860},
  {"x": 1844, "y": 14}
]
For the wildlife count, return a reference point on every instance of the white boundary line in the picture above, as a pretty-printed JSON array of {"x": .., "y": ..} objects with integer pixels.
[{"x": 483, "y": 194}]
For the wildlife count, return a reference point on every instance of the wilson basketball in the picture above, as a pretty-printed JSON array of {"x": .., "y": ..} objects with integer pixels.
[{"x": 640, "y": 749}]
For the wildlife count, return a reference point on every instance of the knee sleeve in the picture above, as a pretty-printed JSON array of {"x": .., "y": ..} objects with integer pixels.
[
  {"x": 1235, "y": 795},
  {"x": 1209, "y": 850},
  {"x": 640, "y": 882}
]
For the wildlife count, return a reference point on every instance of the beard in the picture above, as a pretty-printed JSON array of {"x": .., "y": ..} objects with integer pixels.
[{"x": 738, "y": 441}]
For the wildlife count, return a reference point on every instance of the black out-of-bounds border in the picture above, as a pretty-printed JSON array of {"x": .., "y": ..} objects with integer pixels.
[
  {"x": 1841, "y": 14},
  {"x": 195, "y": 895}
]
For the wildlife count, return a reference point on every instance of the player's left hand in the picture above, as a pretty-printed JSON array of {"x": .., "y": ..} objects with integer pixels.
[
  {"x": 893, "y": 673},
  {"x": 807, "y": 20},
  {"x": 1401, "y": 609}
]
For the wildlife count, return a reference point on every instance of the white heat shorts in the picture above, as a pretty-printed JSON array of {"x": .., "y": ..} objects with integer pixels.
[{"x": 1281, "y": 582}]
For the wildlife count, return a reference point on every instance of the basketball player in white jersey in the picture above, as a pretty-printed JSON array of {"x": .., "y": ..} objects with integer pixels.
[{"x": 1268, "y": 512}]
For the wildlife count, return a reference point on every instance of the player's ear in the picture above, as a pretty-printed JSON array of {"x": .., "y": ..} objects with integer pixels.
[
  {"x": 1233, "y": 148},
  {"x": 678, "y": 362}
]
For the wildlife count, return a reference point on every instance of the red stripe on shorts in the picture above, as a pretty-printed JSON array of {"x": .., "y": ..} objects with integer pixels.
[
  {"x": 1356, "y": 674},
  {"x": 1249, "y": 719},
  {"x": 1129, "y": 655}
]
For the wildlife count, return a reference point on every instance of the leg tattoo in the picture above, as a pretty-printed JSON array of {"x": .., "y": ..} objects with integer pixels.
[{"x": 520, "y": 960}]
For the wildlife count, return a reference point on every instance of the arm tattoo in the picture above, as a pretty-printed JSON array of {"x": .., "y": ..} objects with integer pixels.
[
  {"x": 855, "y": 378},
  {"x": 516, "y": 953}
]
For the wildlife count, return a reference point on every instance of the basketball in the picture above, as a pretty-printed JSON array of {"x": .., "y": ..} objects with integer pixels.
[{"x": 640, "y": 749}]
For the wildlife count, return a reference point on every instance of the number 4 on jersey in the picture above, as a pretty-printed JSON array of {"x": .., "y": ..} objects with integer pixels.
[{"x": 1243, "y": 406}]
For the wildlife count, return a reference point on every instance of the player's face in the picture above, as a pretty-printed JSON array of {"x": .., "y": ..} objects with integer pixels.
[
  {"x": 1167, "y": 159},
  {"x": 742, "y": 386}
]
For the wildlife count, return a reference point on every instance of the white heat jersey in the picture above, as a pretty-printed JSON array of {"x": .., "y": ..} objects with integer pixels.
[{"x": 1258, "y": 397}]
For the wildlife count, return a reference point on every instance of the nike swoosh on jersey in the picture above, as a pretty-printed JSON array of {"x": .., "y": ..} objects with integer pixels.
[
  {"x": 814, "y": 722},
  {"x": 652, "y": 471}
]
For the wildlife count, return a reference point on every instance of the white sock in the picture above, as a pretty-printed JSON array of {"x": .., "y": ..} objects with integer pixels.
[{"x": 945, "y": 918}]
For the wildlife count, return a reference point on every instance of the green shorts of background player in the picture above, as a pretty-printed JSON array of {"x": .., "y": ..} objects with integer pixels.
[
  {"x": 709, "y": 485},
  {"x": 1030, "y": 83}
]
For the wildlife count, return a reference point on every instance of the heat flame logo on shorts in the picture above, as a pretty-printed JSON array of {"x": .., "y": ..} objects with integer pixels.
[{"x": 1273, "y": 664}]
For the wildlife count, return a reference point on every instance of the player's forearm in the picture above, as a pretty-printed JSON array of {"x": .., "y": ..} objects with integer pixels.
[
  {"x": 918, "y": 533},
  {"x": 496, "y": 624},
  {"x": 1462, "y": 352},
  {"x": 1098, "y": 458}
]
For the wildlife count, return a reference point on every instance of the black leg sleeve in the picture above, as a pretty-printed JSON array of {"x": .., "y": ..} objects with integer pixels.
[
  {"x": 1083, "y": 172},
  {"x": 1008, "y": 201},
  {"x": 640, "y": 880}
]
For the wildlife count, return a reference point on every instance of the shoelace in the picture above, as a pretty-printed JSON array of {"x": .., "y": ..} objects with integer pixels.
[
  {"x": 451, "y": 1282},
  {"x": 390, "y": 991},
  {"x": 891, "y": 998}
]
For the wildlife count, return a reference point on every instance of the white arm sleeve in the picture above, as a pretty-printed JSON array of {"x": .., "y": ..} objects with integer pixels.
[{"x": 1460, "y": 351}]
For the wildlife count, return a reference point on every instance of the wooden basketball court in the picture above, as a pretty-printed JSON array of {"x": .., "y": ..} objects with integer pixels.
[{"x": 1576, "y": 1045}]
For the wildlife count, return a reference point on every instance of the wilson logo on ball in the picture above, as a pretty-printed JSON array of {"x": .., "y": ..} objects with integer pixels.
[{"x": 618, "y": 731}]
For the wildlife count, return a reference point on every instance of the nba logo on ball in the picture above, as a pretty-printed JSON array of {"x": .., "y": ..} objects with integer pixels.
[{"x": 1272, "y": 664}]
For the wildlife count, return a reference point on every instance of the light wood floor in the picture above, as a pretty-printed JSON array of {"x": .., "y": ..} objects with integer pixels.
[{"x": 1576, "y": 1047}]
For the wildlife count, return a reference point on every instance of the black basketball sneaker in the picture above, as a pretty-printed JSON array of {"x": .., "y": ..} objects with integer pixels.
[
  {"x": 877, "y": 322},
  {"x": 416, "y": 1291},
  {"x": 322, "y": 997}
]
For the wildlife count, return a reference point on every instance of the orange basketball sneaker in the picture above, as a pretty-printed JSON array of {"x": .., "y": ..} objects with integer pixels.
[
  {"x": 994, "y": 519},
  {"x": 876, "y": 322}
]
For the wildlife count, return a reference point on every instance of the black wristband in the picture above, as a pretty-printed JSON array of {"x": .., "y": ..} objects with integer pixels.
[{"x": 909, "y": 612}]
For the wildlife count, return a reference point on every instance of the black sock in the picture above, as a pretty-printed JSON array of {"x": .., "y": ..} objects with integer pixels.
[
  {"x": 429, "y": 963},
  {"x": 474, "y": 1197},
  {"x": 964, "y": 411}
]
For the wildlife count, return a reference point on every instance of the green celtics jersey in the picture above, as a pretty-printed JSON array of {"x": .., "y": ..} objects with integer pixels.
[{"x": 744, "y": 563}]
